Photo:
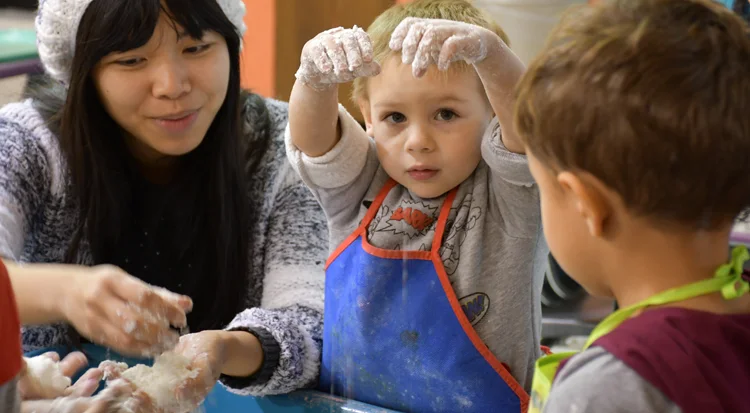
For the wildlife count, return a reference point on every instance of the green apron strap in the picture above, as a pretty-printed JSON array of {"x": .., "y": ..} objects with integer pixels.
[{"x": 727, "y": 279}]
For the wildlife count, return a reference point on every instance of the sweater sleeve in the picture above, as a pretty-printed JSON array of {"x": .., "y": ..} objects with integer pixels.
[
  {"x": 343, "y": 165},
  {"x": 289, "y": 321},
  {"x": 514, "y": 192},
  {"x": 341, "y": 178},
  {"x": 23, "y": 184}
]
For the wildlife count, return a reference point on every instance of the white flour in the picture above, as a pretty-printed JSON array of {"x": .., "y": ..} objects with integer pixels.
[
  {"x": 48, "y": 379},
  {"x": 160, "y": 382},
  {"x": 336, "y": 56}
]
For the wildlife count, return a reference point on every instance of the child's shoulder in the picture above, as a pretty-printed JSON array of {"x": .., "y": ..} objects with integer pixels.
[
  {"x": 597, "y": 381},
  {"x": 662, "y": 332},
  {"x": 663, "y": 356}
]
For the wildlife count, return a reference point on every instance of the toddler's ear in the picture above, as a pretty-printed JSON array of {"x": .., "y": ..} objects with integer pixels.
[{"x": 364, "y": 107}]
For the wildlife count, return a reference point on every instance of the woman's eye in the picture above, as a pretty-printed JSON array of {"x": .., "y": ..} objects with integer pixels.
[
  {"x": 130, "y": 62},
  {"x": 197, "y": 49}
]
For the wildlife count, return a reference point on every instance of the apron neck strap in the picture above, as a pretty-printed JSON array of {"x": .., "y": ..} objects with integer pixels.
[
  {"x": 445, "y": 211},
  {"x": 377, "y": 202},
  {"x": 728, "y": 279}
]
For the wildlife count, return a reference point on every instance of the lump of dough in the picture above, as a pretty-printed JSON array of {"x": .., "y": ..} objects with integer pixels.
[{"x": 160, "y": 382}]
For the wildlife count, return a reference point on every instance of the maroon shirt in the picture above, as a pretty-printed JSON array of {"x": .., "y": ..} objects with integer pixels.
[{"x": 699, "y": 360}]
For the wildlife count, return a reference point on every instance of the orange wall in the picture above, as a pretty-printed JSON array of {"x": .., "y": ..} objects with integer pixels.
[{"x": 258, "y": 58}]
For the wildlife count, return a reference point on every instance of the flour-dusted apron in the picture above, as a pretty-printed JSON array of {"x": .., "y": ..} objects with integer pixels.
[{"x": 396, "y": 336}]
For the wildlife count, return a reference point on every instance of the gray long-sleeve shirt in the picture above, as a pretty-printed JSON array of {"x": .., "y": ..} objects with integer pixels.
[{"x": 493, "y": 249}]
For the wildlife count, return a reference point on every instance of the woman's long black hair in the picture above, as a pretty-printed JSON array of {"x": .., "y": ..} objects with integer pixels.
[{"x": 214, "y": 212}]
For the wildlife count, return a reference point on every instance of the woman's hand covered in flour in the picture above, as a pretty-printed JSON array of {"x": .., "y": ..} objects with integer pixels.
[
  {"x": 423, "y": 42},
  {"x": 336, "y": 56},
  {"x": 205, "y": 350},
  {"x": 114, "y": 309}
]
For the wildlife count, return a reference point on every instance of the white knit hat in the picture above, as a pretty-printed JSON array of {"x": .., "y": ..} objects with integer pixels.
[{"x": 57, "y": 24}]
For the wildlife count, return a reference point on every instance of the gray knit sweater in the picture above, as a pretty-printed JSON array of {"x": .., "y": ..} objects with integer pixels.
[{"x": 38, "y": 216}]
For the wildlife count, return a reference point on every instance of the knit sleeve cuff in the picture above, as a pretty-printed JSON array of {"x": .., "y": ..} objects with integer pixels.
[{"x": 271, "y": 353}]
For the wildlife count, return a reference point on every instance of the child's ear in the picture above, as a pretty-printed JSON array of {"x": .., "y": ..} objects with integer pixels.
[
  {"x": 364, "y": 107},
  {"x": 590, "y": 198}
]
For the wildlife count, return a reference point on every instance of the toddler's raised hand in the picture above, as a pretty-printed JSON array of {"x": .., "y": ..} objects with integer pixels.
[
  {"x": 434, "y": 41},
  {"x": 336, "y": 56}
]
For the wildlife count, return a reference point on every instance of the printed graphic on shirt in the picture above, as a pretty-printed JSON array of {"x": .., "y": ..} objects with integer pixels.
[
  {"x": 411, "y": 219},
  {"x": 414, "y": 217},
  {"x": 465, "y": 219},
  {"x": 475, "y": 306}
]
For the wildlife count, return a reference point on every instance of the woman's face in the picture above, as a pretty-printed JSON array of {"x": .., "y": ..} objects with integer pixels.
[{"x": 165, "y": 94}]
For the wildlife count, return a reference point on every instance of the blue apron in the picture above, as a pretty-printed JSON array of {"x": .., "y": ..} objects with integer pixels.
[{"x": 395, "y": 334}]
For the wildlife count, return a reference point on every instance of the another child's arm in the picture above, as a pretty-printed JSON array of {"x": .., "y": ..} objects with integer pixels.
[
  {"x": 11, "y": 357},
  {"x": 595, "y": 381},
  {"x": 430, "y": 41}
]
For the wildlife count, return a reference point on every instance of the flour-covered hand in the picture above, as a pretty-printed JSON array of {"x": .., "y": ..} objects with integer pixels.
[
  {"x": 336, "y": 56},
  {"x": 47, "y": 377},
  {"x": 114, "y": 309},
  {"x": 423, "y": 42},
  {"x": 205, "y": 350},
  {"x": 110, "y": 400}
]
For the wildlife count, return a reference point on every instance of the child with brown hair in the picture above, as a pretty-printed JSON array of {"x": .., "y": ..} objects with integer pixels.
[
  {"x": 432, "y": 290},
  {"x": 636, "y": 121}
]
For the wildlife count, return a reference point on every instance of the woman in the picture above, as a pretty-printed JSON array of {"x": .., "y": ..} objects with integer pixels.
[{"x": 146, "y": 159}]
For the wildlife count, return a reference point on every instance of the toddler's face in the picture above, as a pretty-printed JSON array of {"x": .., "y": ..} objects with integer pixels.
[{"x": 428, "y": 131}]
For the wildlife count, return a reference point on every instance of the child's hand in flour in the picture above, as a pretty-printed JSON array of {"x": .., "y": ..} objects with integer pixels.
[
  {"x": 57, "y": 380},
  {"x": 336, "y": 56},
  {"x": 114, "y": 309},
  {"x": 110, "y": 400},
  {"x": 423, "y": 42}
]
